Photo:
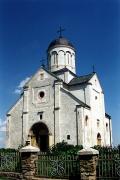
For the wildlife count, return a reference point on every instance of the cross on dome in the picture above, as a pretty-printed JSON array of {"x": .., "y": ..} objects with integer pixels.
[{"x": 60, "y": 31}]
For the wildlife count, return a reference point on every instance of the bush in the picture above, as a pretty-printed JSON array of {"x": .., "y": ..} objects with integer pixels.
[
  {"x": 64, "y": 148},
  {"x": 7, "y": 150}
]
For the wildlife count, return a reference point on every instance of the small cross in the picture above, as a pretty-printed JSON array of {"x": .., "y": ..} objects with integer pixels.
[
  {"x": 60, "y": 31},
  {"x": 93, "y": 69}
]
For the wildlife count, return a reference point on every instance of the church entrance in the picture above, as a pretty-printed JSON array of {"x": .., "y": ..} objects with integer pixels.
[{"x": 40, "y": 136}]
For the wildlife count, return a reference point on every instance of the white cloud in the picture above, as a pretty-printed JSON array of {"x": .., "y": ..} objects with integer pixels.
[
  {"x": 2, "y": 125},
  {"x": 2, "y": 132},
  {"x": 17, "y": 91},
  {"x": 2, "y": 141},
  {"x": 20, "y": 86}
]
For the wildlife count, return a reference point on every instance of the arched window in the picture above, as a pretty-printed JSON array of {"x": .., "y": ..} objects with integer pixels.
[
  {"x": 61, "y": 57},
  {"x": 68, "y": 55},
  {"x": 99, "y": 139},
  {"x": 54, "y": 57}
]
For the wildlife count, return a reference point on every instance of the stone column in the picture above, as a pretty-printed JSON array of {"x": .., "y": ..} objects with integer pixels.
[
  {"x": 25, "y": 114},
  {"x": 29, "y": 155},
  {"x": 57, "y": 111},
  {"x": 88, "y": 162}
]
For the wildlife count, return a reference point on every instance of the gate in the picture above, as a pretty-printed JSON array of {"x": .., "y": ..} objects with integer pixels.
[
  {"x": 58, "y": 166},
  {"x": 10, "y": 161},
  {"x": 108, "y": 164}
]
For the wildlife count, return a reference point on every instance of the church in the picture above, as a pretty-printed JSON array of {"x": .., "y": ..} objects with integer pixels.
[{"x": 56, "y": 104}]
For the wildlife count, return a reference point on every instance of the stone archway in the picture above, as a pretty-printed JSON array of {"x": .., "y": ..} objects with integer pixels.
[{"x": 40, "y": 136}]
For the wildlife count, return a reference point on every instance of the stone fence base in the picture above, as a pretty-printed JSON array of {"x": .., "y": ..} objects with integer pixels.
[
  {"x": 19, "y": 176},
  {"x": 12, "y": 175},
  {"x": 46, "y": 179}
]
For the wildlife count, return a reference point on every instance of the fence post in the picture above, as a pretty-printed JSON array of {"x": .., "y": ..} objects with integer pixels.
[
  {"x": 88, "y": 162},
  {"x": 29, "y": 155}
]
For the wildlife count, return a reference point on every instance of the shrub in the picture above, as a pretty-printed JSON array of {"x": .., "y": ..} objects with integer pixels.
[{"x": 65, "y": 148}]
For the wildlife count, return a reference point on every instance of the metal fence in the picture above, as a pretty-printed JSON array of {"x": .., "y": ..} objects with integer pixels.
[
  {"x": 108, "y": 164},
  {"x": 10, "y": 161},
  {"x": 57, "y": 166}
]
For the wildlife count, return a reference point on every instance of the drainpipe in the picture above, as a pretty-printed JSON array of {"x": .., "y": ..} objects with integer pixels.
[
  {"x": 84, "y": 95},
  {"x": 54, "y": 111},
  {"x": 77, "y": 106},
  {"x": 22, "y": 138},
  {"x": 110, "y": 131}
]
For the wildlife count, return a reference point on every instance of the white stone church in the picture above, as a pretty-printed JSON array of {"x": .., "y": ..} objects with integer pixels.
[{"x": 56, "y": 104}]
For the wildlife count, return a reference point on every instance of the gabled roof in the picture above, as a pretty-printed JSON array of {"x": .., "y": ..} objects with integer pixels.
[
  {"x": 81, "y": 103},
  {"x": 64, "y": 70},
  {"x": 81, "y": 79},
  {"x": 52, "y": 74},
  {"x": 26, "y": 84},
  {"x": 13, "y": 106}
]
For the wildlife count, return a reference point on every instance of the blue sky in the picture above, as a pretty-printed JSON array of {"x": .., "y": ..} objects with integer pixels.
[{"x": 28, "y": 26}]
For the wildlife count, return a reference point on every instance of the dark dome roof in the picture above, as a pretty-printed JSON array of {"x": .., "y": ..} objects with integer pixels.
[{"x": 61, "y": 41}]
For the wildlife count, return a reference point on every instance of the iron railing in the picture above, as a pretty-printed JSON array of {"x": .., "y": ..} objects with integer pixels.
[
  {"x": 10, "y": 161},
  {"x": 57, "y": 166},
  {"x": 108, "y": 164}
]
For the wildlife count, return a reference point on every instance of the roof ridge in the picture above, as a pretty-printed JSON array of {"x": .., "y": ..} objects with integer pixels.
[
  {"x": 81, "y": 79},
  {"x": 80, "y": 102}
]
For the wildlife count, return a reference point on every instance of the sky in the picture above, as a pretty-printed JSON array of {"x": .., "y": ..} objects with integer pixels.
[{"x": 28, "y": 26}]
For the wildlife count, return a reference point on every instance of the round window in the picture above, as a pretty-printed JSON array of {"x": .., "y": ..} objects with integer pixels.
[{"x": 41, "y": 94}]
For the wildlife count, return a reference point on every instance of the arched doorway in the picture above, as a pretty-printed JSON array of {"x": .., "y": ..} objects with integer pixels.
[
  {"x": 40, "y": 136},
  {"x": 98, "y": 139}
]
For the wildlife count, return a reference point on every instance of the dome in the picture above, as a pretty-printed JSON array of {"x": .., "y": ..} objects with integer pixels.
[{"x": 61, "y": 41}]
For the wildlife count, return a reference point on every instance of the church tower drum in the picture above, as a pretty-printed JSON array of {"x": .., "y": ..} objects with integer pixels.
[{"x": 61, "y": 54}]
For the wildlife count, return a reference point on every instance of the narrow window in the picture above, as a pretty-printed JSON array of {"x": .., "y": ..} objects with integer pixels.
[
  {"x": 98, "y": 122},
  {"x": 68, "y": 137},
  {"x": 95, "y": 82},
  {"x": 95, "y": 97},
  {"x": 68, "y": 58},
  {"x": 40, "y": 115},
  {"x": 54, "y": 58},
  {"x": 86, "y": 120},
  {"x": 106, "y": 126},
  {"x": 41, "y": 76}
]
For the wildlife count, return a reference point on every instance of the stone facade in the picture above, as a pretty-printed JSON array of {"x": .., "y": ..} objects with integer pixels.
[{"x": 62, "y": 105}]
